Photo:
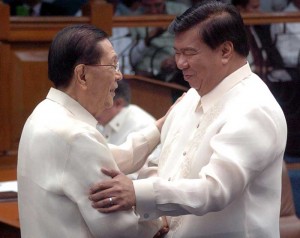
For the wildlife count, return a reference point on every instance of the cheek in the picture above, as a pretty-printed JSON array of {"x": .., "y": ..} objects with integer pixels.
[
  {"x": 108, "y": 94},
  {"x": 200, "y": 67},
  {"x": 106, "y": 83}
]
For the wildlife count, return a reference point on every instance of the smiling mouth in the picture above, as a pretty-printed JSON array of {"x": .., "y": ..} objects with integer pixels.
[
  {"x": 112, "y": 91},
  {"x": 186, "y": 76}
]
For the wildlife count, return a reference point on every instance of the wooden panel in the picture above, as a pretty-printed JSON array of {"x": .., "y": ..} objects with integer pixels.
[
  {"x": 9, "y": 214},
  {"x": 29, "y": 86},
  {"x": 4, "y": 97},
  {"x": 270, "y": 17},
  {"x": 101, "y": 15},
  {"x": 4, "y": 20},
  {"x": 165, "y": 20},
  {"x": 8, "y": 160},
  {"x": 43, "y": 29},
  {"x": 142, "y": 21},
  {"x": 153, "y": 96},
  {"x": 293, "y": 166},
  {"x": 8, "y": 174}
]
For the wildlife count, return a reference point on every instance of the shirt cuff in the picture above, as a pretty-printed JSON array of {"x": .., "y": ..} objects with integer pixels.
[{"x": 145, "y": 198}]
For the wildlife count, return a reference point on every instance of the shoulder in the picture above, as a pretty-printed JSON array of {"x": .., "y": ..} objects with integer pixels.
[
  {"x": 139, "y": 112},
  {"x": 59, "y": 122}
]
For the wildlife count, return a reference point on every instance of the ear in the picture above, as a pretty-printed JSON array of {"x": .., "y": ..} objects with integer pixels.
[
  {"x": 79, "y": 74},
  {"x": 119, "y": 103},
  {"x": 226, "y": 51}
]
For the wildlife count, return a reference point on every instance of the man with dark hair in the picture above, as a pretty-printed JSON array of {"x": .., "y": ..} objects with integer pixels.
[
  {"x": 61, "y": 150},
  {"x": 123, "y": 118},
  {"x": 264, "y": 57},
  {"x": 153, "y": 51},
  {"x": 219, "y": 171}
]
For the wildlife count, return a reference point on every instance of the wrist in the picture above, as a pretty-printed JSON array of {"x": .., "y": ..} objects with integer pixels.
[{"x": 159, "y": 123}]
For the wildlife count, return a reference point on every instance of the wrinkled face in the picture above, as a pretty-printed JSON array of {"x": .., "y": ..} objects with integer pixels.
[
  {"x": 201, "y": 66},
  {"x": 102, "y": 80}
]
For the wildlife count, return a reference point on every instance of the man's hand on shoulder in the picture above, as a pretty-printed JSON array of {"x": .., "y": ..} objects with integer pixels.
[{"x": 113, "y": 195}]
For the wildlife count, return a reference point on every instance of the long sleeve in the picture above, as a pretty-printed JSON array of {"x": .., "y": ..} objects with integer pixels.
[
  {"x": 59, "y": 158},
  {"x": 131, "y": 155},
  {"x": 236, "y": 161},
  {"x": 220, "y": 163},
  {"x": 77, "y": 178}
]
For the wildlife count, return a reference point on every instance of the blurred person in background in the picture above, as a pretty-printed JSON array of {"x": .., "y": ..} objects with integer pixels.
[
  {"x": 122, "y": 119},
  {"x": 121, "y": 36},
  {"x": 264, "y": 57},
  {"x": 153, "y": 51}
]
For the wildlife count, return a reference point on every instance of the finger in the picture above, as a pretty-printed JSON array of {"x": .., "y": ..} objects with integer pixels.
[
  {"x": 110, "y": 172},
  {"x": 105, "y": 203},
  {"x": 98, "y": 187},
  {"x": 102, "y": 194},
  {"x": 108, "y": 205}
]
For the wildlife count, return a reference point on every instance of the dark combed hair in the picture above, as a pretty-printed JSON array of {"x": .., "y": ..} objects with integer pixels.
[
  {"x": 242, "y": 3},
  {"x": 220, "y": 22},
  {"x": 73, "y": 45}
]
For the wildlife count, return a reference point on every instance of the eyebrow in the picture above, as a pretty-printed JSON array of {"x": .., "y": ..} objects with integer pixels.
[{"x": 186, "y": 48}]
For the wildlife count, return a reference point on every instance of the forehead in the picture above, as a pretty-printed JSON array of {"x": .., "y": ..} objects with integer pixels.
[
  {"x": 188, "y": 39},
  {"x": 107, "y": 50}
]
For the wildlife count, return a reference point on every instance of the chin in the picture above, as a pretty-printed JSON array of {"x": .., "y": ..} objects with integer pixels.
[{"x": 109, "y": 104}]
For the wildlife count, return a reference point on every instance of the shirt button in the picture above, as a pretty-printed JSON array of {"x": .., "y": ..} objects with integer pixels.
[
  {"x": 169, "y": 179},
  {"x": 106, "y": 136},
  {"x": 197, "y": 125},
  {"x": 184, "y": 153},
  {"x": 146, "y": 215}
]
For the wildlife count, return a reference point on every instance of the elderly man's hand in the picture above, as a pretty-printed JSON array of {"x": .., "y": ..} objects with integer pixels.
[{"x": 113, "y": 195}]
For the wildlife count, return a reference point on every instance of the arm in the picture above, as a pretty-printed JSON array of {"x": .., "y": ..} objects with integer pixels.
[
  {"x": 238, "y": 157},
  {"x": 131, "y": 155},
  {"x": 86, "y": 154}
]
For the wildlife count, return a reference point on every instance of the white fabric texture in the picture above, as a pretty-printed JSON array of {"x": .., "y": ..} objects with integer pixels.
[
  {"x": 60, "y": 156},
  {"x": 220, "y": 164},
  {"x": 130, "y": 119}
]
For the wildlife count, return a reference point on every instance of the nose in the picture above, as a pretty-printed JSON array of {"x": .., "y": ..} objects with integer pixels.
[
  {"x": 119, "y": 75},
  {"x": 181, "y": 61}
]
